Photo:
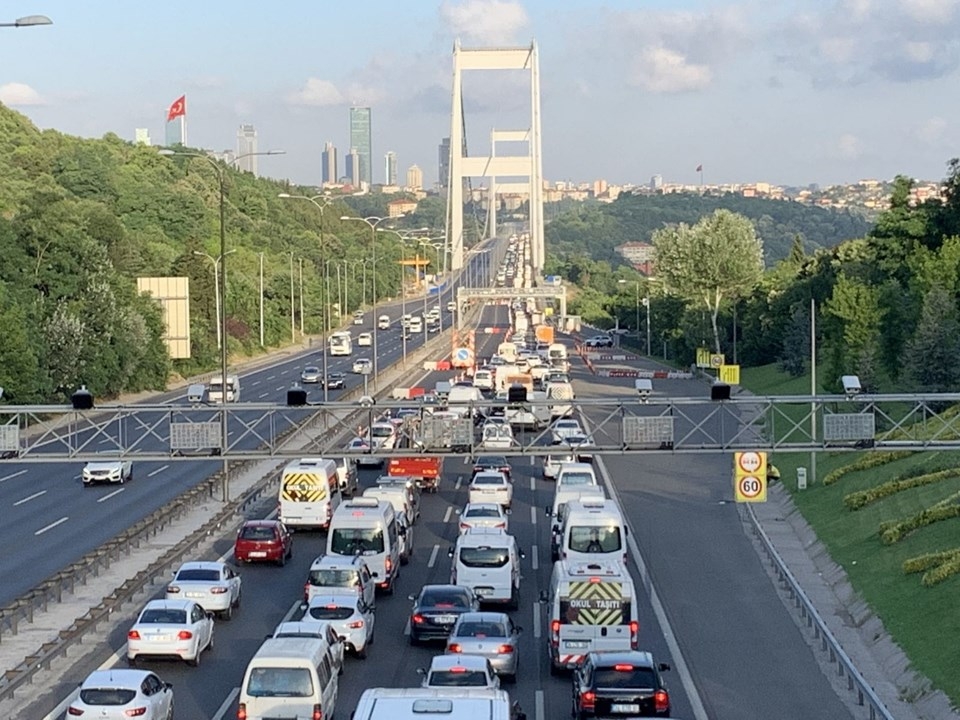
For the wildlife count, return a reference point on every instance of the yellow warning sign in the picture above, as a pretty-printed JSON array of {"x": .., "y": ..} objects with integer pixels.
[
  {"x": 730, "y": 374},
  {"x": 750, "y": 476},
  {"x": 703, "y": 357}
]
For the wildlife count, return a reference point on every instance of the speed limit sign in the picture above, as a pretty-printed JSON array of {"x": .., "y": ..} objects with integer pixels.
[
  {"x": 750, "y": 488},
  {"x": 750, "y": 476}
]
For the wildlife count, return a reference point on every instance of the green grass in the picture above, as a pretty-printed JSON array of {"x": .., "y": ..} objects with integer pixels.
[{"x": 923, "y": 621}]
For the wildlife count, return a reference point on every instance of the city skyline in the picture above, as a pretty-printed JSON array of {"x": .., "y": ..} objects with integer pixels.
[{"x": 749, "y": 90}]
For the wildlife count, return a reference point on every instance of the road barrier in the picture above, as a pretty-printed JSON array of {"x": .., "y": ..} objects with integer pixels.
[{"x": 651, "y": 374}]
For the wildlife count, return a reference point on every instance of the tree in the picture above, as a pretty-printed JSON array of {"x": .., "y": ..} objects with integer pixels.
[
  {"x": 930, "y": 358},
  {"x": 796, "y": 342},
  {"x": 719, "y": 258}
]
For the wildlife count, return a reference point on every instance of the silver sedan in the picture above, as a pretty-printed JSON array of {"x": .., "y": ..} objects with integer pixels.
[{"x": 491, "y": 635}]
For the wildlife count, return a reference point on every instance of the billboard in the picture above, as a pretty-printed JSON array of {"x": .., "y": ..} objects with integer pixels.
[{"x": 173, "y": 294}]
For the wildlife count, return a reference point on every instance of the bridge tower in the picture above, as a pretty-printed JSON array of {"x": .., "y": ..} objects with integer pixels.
[{"x": 529, "y": 166}]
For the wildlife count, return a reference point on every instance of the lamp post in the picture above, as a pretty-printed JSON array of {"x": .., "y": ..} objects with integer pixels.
[
  {"x": 372, "y": 222},
  {"x": 29, "y": 21},
  {"x": 321, "y": 202},
  {"x": 215, "y": 261},
  {"x": 637, "y": 325},
  {"x": 404, "y": 239},
  {"x": 219, "y": 168}
]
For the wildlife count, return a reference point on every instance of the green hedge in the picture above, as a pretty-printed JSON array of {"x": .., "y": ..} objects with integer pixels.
[
  {"x": 910, "y": 479},
  {"x": 892, "y": 532},
  {"x": 871, "y": 460}
]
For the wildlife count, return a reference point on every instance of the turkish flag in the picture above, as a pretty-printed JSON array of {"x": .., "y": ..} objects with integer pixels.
[
  {"x": 178, "y": 109},
  {"x": 699, "y": 167}
]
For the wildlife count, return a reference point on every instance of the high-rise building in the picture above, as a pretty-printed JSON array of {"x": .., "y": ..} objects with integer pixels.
[
  {"x": 414, "y": 178},
  {"x": 141, "y": 136},
  {"x": 361, "y": 138},
  {"x": 444, "y": 165},
  {"x": 246, "y": 144},
  {"x": 329, "y": 160},
  {"x": 354, "y": 163},
  {"x": 390, "y": 167},
  {"x": 656, "y": 183}
]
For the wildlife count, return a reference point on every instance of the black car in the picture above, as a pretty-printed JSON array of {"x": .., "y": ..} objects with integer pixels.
[
  {"x": 436, "y": 609},
  {"x": 334, "y": 381},
  {"x": 492, "y": 462},
  {"x": 615, "y": 684}
]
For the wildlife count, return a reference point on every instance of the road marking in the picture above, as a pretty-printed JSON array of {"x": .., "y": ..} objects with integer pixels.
[
  {"x": 291, "y": 611},
  {"x": 222, "y": 711},
  {"x": 28, "y": 498},
  {"x": 533, "y": 484},
  {"x": 538, "y": 705},
  {"x": 110, "y": 495},
  {"x": 533, "y": 515},
  {"x": 263, "y": 395},
  {"x": 446, "y": 515},
  {"x": 433, "y": 556},
  {"x": 535, "y": 558},
  {"x": 532, "y": 460},
  {"x": 16, "y": 474},
  {"x": 280, "y": 388},
  {"x": 255, "y": 382},
  {"x": 406, "y": 628},
  {"x": 466, "y": 461},
  {"x": 271, "y": 377},
  {"x": 536, "y": 619},
  {"x": 52, "y": 525},
  {"x": 459, "y": 482},
  {"x": 157, "y": 471}
]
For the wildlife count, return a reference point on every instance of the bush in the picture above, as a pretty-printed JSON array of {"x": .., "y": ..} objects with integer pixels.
[
  {"x": 909, "y": 479},
  {"x": 925, "y": 562},
  {"x": 892, "y": 532},
  {"x": 871, "y": 460}
]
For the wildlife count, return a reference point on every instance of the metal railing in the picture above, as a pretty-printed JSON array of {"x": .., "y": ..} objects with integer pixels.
[{"x": 856, "y": 683}]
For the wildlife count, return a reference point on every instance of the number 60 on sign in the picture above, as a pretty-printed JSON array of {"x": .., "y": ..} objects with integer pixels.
[{"x": 750, "y": 476}]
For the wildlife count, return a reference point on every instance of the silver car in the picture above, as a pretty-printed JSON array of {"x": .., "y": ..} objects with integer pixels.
[
  {"x": 491, "y": 635},
  {"x": 310, "y": 374},
  {"x": 489, "y": 515},
  {"x": 212, "y": 585}
]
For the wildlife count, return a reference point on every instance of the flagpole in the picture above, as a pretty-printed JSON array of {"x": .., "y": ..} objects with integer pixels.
[
  {"x": 183, "y": 133},
  {"x": 701, "y": 177}
]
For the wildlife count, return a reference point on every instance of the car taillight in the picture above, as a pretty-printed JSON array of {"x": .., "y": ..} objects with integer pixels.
[
  {"x": 417, "y": 619},
  {"x": 504, "y": 649},
  {"x": 555, "y": 627},
  {"x": 218, "y": 590},
  {"x": 74, "y": 711},
  {"x": 242, "y": 711},
  {"x": 133, "y": 635},
  {"x": 388, "y": 565},
  {"x": 464, "y": 526},
  {"x": 173, "y": 589},
  {"x": 184, "y": 635},
  {"x": 634, "y": 634},
  {"x": 661, "y": 701},
  {"x": 306, "y": 592},
  {"x": 356, "y": 624},
  {"x": 453, "y": 647},
  {"x": 317, "y": 713},
  {"x": 135, "y": 712},
  {"x": 588, "y": 699}
]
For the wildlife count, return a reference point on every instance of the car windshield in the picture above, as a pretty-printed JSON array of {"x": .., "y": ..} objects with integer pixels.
[
  {"x": 577, "y": 478},
  {"x": 488, "y": 480},
  {"x": 334, "y": 578},
  {"x": 279, "y": 682},
  {"x": 593, "y": 539},
  {"x": 484, "y": 557},
  {"x": 381, "y": 431},
  {"x": 476, "y": 512},
  {"x": 311, "y": 370},
  {"x": 633, "y": 679},
  {"x": 107, "y": 696},
  {"x": 458, "y": 678},
  {"x": 443, "y": 599},
  {"x": 491, "y": 461},
  {"x": 354, "y": 541},
  {"x": 162, "y": 616},
  {"x": 200, "y": 575},
  {"x": 481, "y": 629},
  {"x": 330, "y": 612},
  {"x": 257, "y": 532}
]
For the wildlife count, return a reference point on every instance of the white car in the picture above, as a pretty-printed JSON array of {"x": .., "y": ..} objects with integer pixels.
[
  {"x": 171, "y": 628},
  {"x": 598, "y": 341},
  {"x": 383, "y": 435},
  {"x": 119, "y": 694},
  {"x": 349, "y": 615},
  {"x": 552, "y": 463},
  {"x": 485, "y": 514},
  {"x": 107, "y": 471},
  {"x": 365, "y": 339},
  {"x": 358, "y": 317},
  {"x": 565, "y": 428},
  {"x": 460, "y": 671},
  {"x": 321, "y": 630},
  {"x": 496, "y": 436},
  {"x": 491, "y": 486},
  {"x": 359, "y": 444},
  {"x": 212, "y": 585},
  {"x": 362, "y": 366}
]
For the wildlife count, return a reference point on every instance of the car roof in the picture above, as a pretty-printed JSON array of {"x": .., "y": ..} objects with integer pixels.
[
  {"x": 338, "y": 562},
  {"x": 261, "y": 523},
  {"x": 350, "y": 600},
  {"x": 116, "y": 677},
  {"x": 474, "y": 505},
  {"x": 471, "y": 662},
  {"x": 638, "y": 658},
  {"x": 201, "y": 565}
]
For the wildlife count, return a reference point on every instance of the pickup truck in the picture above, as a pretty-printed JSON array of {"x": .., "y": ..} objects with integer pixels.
[{"x": 425, "y": 470}]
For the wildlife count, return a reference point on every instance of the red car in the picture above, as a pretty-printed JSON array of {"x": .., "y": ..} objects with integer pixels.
[{"x": 266, "y": 540}]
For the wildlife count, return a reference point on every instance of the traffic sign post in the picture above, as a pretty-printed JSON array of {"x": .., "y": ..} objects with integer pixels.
[
  {"x": 750, "y": 476},
  {"x": 730, "y": 374}
]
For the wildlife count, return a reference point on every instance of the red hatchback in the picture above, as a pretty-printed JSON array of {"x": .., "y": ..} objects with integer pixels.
[{"x": 266, "y": 540}]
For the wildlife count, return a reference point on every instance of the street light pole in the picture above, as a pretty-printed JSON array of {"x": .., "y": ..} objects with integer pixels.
[
  {"x": 28, "y": 21},
  {"x": 261, "y": 300},
  {"x": 404, "y": 239},
  {"x": 293, "y": 321},
  {"x": 215, "y": 261}
]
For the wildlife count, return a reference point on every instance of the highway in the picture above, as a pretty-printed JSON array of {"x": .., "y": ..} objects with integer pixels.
[
  {"x": 54, "y": 520},
  {"x": 745, "y": 657}
]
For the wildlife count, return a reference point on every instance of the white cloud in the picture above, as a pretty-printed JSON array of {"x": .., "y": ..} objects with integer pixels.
[
  {"x": 20, "y": 94},
  {"x": 661, "y": 70},
  {"x": 317, "y": 93},
  {"x": 931, "y": 131},
  {"x": 849, "y": 146},
  {"x": 484, "y": 22},
  {"x": 929, "y": 11}
]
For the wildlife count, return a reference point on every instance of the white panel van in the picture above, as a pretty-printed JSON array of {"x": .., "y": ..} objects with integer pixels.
[
  {"x": 309, "y": 493},
  {"x": 290, "y": 678},
  {"x": 455, "y": 703},
  {"x": 368, "y": 527},
  {"x": 593, "y": 529}
]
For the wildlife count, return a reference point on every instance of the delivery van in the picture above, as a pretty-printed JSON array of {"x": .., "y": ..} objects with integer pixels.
[
  {"x": 309, "y": 493},
  {"x": 290, "y": 678},
  {"x": 368, "y": 527}
]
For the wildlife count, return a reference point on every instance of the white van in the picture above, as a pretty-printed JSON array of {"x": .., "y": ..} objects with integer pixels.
[
  {"x": 196, "y": 393},
  {"x": 455, "y": 703},
  {"x": 483, "y": 380},
  {"x": 368, "y": 527},
  {"x": 561, "y": 498},
  {"x": 592, "y": 607},
  {"x": 398, "y": 496},
  {"x": 309, "y": 493},
  {"x": 215, "y": 390},
  {"x": 487, "y": 561},
  {"x": 593, "y": 528},
  {"x": 563, "y": 392},
  {"x": 290, "y": 678},
  {"x": 415, "y": 325},
  {"x": 383, "y": 322},
  {"x": 462, "y": 398},
  {"x": 576, "y": 475}
]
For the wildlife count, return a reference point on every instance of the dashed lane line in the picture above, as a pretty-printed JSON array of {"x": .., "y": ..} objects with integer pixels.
[
  {"x": 157, "y": 471},
  {"x": 225, "y": 706},
  {"x": 110, "y": 495},
  {"x": 533, "y": 515},
  {"x": 52, "y": 525},
  {"x": 13, "y": 475},
  {"x": 433, "y": 556},
  {"x": 28, "y": 498},
  {"x": 448, "y": 513},
  {"x": 535, "y": 558}
]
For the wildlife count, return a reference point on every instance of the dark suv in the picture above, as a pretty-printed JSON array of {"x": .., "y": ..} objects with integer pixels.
[
  {"x": 484, "y": 463},
  {"x": 620, "y": 684},
  {"x": 436, "y": 609}
]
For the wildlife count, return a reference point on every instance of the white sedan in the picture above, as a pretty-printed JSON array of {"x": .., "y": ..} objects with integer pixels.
[
  {"x": 119, "y": 694},
  {"x": 491, "y": 486},
  {"x": 565, "y": 428},
  {"x": 490, "y": 515},
  {"x": 171, "y": 628},
  {"x": 114, "y": 470},
  {"x": 365, "y": 339},
  {"x": 212, "y": 585},
  {"x": 349, "y": 615},
  {"x": 552, "y": 463},
  {"x": 362, "y": 366}
]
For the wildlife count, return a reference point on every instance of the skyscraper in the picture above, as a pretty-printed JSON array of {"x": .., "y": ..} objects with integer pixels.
[
  {"x": 390, "y": 167},
  {"x": 176, "y": 126},
  {"x": 329, "y": 160},
  {"x": 414, "y": 178},
  {"x": 361, "y": 138},
  {"x": 247, "y": 143},
  {"x": 353, "y": 163},
  {"x": 444, "y": 157}
]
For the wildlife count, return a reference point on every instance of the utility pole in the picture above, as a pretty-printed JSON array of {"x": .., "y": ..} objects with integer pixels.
[
  {"x": 261, "y": 300},
  {"x": 301, "y": 299},
  {"x": 293, "y": 320}
]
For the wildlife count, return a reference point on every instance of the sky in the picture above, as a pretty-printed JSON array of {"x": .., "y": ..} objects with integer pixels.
[{"x": 790, "y": 92}]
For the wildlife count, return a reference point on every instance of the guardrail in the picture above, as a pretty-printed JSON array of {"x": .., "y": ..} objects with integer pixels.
[{"x": 828, "y": 643}]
